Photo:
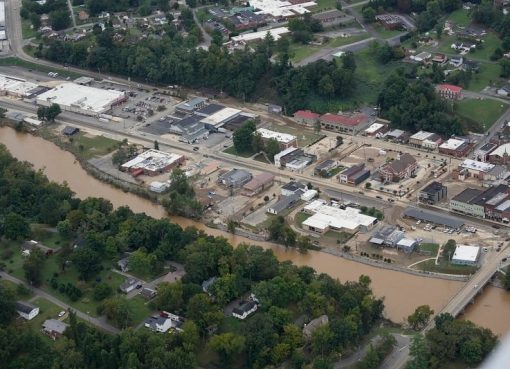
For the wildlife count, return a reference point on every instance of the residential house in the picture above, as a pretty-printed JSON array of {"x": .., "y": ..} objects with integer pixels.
[
  {"x": 285, "y": 202},
  {"x": 70, "y": 131},
  {"x": 455, "y": 147},
  {"x": 26, "y": 311},
  {"x": 258, "y": 184},
  {"x": 244, "y": 310},
  {"x": 164, "y": 322},
  {"x": 207, "y": 284},
  {"x": 54, "y": 328},
  {"x": 129, "y": 285},
  {"x": 123, "y": 264},
  {"x": 354, "y": 175},
  {"x": 309, "y": 328},
  {"x": 433, "y": 193},
  {"x": 504, "y": 90},
  {"x": 332, "y": 18},
  {"x": 440, "y": 59},
  {"x": 346, "y": 123},
  {"x": 292, "y": 188},
  {"x": 450, "y": 92},
  {"x": 306, "y": 117},
  {"x": 401, "y": 168},
  {"x": 456, "y": 61},
  {"x": 235, "y": 178},
  {"x": 422, "y": 57}
]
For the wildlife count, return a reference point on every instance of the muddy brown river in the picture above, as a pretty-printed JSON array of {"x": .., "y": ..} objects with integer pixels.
[{"x": 402, "y": 292}]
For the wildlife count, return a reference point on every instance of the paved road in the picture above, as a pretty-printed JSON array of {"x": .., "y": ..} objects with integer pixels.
[
  {"x": 502, "y": 120},
  {"x": 98, "y": 322},
  {"x": 206, "y": 37},
  {"x": 71, "y": 10},
  {"x": 398, "y": 358}
]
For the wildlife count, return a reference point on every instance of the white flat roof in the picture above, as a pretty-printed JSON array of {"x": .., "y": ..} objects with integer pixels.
[
  {"x": 421, "y": 136},
  {"x": 501, "y": 150},
  {"x": 476, "y": 165},
  {"x": 374, "y": 127},
  {"x": 406, "y": 242},
  {"x": 16, "y": 85},
  {"x": 280, "y": 137},
  {"x": 251, "y": 36},
  {"x": 452, "y": 144},
  {"x": 221, "y": 116},
  {"x": 466, "y": 253},
  {"x": 329, "y": 216},
  {"x": 152, "y": 160},
  {"x": 84, "y": 97}
]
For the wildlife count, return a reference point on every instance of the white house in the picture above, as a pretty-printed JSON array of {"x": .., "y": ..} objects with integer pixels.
[
  {"x": 245, "y": 310},
  {"x": 26, "y": 310}
]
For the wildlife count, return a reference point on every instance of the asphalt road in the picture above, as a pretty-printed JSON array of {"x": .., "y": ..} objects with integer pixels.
[{"x": 98, "y": 322}]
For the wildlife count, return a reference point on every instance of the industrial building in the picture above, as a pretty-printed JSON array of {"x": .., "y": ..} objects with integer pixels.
[
  {"x": 285, "y": 140},
  {"x": 281, "y": 8},
  {"x": 327, "y": 217},
  {"x": 235, "y": 178},
  {"x": 258, "y": 184},
  {"x": 277, "y": 33},
  {"x": 333, "y": 18},
  {"x": 466, "y": 255},
  {"x": 18, "y": 87},
  {"x": 152, "y": 162},
  {"x": 218, "y": 119},
  {"x": 81, "y": 99},
  {"x": 433, "y": 218}
]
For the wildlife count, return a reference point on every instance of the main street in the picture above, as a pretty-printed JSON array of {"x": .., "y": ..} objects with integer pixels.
[{"x": 98, "y": 322}]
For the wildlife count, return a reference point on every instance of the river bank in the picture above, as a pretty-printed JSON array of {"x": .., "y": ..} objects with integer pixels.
[{"x": 402, "y": 291}]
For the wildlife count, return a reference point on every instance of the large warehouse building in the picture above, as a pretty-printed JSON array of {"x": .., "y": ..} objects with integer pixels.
[
  {"x": 18, "y": 87},
  {"x": 81, "y": 99}
]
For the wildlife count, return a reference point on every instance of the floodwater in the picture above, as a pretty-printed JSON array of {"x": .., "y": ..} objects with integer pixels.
[{"x": 402, "y": 292}]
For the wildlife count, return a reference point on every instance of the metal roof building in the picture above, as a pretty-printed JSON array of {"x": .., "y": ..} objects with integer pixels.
[{"x": 433, "y": 217}]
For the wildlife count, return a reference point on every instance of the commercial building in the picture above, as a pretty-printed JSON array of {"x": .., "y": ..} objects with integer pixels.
[
  {"x": 479, "y": 170},
  {"x": 218, "y": 119},
  {"x": 466, "y": 255},
  {"x": 18, "y": 87},
  {"x": 387, "y": 236},
  {"x": 325, "y": 168},
  {"x": 235, "y": 178},
  {"x": 376, "y": 129},
  {"x": 465, "y": 202},
  {"x": 433, "y": 218},
  {"x": 81, "y": 99},
  {"x": 277, "y": 33},
  {"x": 327, "y": 217},
  {"x": 401, "y": 168},
  {"x": 482, "y": 154},
  {"x": 423, "y": 138},
  {"x": 2, "y": 14},
  {"x": 332, "y": 18},
  {"x": 152, "y": 162},
  {"x": 281, "y": 8},
  {"x": 449, "y": 92},
  {"x": 293, "y": 187},
  {"x": 455, "y": 147},
  {"x": 286, "y": 156},
  {"x": 26, "y": 311},
  {"x": 482, "y": 204},
  {"x": 396, "y": 135},
  {"x": 309, "y": 195},
  {"x": 354, "y": 175},
  {"x": 389, "y": 21},
  {"x": 54, "y": 328},
  {"x": 285, "y": 140},
  {"x": 208, "y": 110},
  {"x": 501, "y": 155},
  {"x": 285, "y": 202},
  {"x": 433, "y": 193},
  {"x": 346, "y": 123},
  {"x": 407, "y": 245},
  {"x": 188, "y": 107},
  {"x": 306, "y": 117},
  {"x": 258, "y": 184}
]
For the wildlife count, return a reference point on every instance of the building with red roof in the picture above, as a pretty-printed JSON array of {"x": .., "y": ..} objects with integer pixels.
[
  {"x": 346, "y": 123},
  {"x": 447, "y": 91},
  {"x": 306, "y": 117}
]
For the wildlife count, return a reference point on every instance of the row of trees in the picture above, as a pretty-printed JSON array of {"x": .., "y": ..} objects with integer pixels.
[{"x": 48, "y": 113}]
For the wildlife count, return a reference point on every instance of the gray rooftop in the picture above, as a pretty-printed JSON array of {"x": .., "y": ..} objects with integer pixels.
[
  {"x": 24, "y": 307},
  {"x": 433, "y": 217},
  {"x": 53, "y": 325},
  {"x": 286, "y": 201},
  {"x": 467, "y": 195}
]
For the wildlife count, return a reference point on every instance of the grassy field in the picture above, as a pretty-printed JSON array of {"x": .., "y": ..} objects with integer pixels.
[
  {"x": 445, "y": 267},
  {"x": 12, "y": 61},
  {"x": 460, "y": 17},
  {"x": 325, "y": 4},
  {"x": 484, "y": 112},
  {"x": 48, "y": 238},
  {"x": 491, "y": 43},
  {"x": 385, "y": 33},
  {"x": 232, "y": 151},
  {"x": 336, "y": 237},
  {"x": 47, "y": 310},
  {"x": 90, "y": 146},
  {"x": 140, "y": 310},
  {"x": 429, "y": 248},
  {"x": 301, "y": 52},
  {"x": 26, "y": 29},
  {"x": 488, "y": 76}
]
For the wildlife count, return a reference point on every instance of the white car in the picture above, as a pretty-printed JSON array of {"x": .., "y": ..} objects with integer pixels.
[{"x": 61, "y": 314}]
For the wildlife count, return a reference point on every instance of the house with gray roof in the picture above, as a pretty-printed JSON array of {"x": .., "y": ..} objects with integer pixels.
[
  {"x": 129, "y": 285},
  {"x": 25, "y": 310},
  {"x": 54, "y": 328}
]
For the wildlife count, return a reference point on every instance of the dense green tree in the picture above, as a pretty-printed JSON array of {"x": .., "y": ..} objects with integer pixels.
[
  {"x": 169, "y": 297},
  {"x": 421, "y": 317},
  {"x": 102, "y": 291},
  {"x": 227, "y": 345},
  {"x": 33, "y": 267},
  {"x": 119, "y": 311},
  {"x": 86, "y": 261},
  {"x": 15, "y": 227},
  {"x": 243, "y": 137},
  {"x": 7, "y": 307}
]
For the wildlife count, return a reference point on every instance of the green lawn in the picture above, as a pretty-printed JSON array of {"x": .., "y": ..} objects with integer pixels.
[
  {"x": 140, "y": 310},
  {"x": 300, "y": 217},
  {"x": 491, "y": 43},
  {"x": 231, "y": 324},
  {"x": 385, "y": 33},
  {"x": 430, "y": 248},
  {"x": 90, "y": 146},
  {"x": 325, "y": 4},
  {"x": 232, "y": 151},
  {"x": 336, "y": 237},
  {"x": 47, "y": 310},
  {"x": 445, "y": 267},
  {"x": 47, "y": 237},
  {"x": 12, "y": 61},
  {"x": 460, "y": 17},
  {"x": 484, "y": 112},
  {"x": 26, "y": 29},
  {"x": 487, "y": 76}
]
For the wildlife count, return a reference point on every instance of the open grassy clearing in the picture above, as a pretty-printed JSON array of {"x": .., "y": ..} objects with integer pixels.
[
  {"x": 232, "y": 151},
  {"x": 301, "y": 52},
  {"x": 91, "y": 146},
  {"x": 445, "y": 267},
  {"x": 300, "y": 217},
  {"x": 484, "y": 112},
  {"x": 430, "y": 248},
  {"x": 304, "y": 138},
  {"x": 460, "y": 17},
  {"x": 140, "y": 309},
  {"x": 26, "y": 29},
  {"x": 489, "y": 75}
]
